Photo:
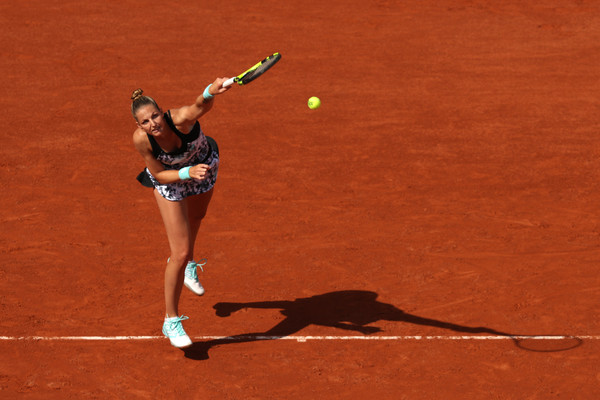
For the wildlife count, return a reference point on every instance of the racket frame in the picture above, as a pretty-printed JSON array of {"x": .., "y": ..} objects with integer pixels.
[{"x": 239, "y": 79}]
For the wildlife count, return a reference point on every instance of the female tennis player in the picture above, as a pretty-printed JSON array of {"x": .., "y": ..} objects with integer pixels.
[{"x": 181, "y": 165}]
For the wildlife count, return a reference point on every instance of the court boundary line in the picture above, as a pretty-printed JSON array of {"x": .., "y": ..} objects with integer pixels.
[{"x": 304, "y": 338}]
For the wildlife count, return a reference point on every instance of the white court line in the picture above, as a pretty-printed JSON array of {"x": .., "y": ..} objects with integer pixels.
[{"x": 296, "y": 338}]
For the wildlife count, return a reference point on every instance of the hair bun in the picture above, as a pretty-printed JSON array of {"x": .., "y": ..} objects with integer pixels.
[{"x": 137, "y": 94}]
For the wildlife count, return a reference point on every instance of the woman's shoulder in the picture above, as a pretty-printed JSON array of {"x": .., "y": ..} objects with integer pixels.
[
  {"x": 140, "y": 139},
  {"x": 139, "y": 135},
  {"x": 179, "y": 121}
]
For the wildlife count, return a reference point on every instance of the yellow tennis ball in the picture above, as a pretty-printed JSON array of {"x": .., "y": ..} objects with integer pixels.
[{"x": 314, "y": 103}]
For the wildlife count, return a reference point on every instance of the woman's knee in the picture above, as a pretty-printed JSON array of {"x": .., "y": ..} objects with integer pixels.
[{"x": 181, "y": 257}]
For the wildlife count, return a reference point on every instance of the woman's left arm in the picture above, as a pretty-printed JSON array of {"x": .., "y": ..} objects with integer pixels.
[{"x": 186, "y": 116}]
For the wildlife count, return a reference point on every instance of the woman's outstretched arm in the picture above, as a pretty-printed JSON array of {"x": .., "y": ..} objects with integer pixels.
[{"x": 187, "y": 116}]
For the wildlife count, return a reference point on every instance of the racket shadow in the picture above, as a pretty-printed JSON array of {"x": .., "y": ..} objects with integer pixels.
[{"x": 349, "y": 310}]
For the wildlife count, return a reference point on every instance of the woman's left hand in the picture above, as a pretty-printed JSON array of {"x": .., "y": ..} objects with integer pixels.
[{"x": 199, "y": 171}]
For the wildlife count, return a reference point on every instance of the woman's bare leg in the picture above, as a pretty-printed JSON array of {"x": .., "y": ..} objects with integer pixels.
[
  {"x": 177, "y": 225},
  {"x": 197, "y": 206}
]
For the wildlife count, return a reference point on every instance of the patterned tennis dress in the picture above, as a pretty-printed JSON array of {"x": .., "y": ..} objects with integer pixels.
[{"x": 195, "y": 149}]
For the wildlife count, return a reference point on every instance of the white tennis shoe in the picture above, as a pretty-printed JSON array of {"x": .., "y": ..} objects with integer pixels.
[
  {"x": 173, "y": 329},
  {"x": 191, "y": 276}
]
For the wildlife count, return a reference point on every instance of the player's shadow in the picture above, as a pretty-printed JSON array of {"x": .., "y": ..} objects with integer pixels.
[{"x": 350, "y": 310}]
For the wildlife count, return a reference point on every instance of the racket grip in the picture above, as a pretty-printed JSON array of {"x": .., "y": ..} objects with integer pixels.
[{"x": 228, "y": 82}]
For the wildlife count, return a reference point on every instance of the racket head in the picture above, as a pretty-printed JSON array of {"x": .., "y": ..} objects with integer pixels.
[{"x": 258, "y": 69}]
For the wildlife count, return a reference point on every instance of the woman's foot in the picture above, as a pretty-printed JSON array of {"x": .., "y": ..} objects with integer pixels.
[
  {"x": 173, "y": 329},
  {"x": 191, "y": 277}
]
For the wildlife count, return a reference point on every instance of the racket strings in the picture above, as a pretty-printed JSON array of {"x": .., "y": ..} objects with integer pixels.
[{"x": 262, "y": 68}]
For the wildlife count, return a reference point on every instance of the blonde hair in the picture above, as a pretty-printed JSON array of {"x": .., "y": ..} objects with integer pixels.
[{"x": 139, "y": 101}]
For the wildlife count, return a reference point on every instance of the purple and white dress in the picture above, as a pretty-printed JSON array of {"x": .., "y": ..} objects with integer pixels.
[{"x": 196, "y": 148}]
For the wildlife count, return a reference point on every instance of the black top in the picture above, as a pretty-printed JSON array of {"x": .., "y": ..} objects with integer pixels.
[{"x": 185, "y": 137}]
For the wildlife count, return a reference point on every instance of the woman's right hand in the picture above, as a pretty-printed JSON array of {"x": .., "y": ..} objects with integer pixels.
[
  {"x": 217, "y": 86},
  {"x": 199, "y": 171}
]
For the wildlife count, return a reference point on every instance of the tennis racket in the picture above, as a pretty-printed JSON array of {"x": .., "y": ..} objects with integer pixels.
[{"x": 254, "y": 72}]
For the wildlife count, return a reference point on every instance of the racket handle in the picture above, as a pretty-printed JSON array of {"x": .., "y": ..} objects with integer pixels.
[{"x": 229, "y": 82}]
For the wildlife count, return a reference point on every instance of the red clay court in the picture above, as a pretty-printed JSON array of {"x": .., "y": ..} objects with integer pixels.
[{"x": 388, "y": 245}]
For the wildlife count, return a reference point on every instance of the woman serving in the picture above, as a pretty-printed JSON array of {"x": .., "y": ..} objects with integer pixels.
[{"x": 181, "y": 165}]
